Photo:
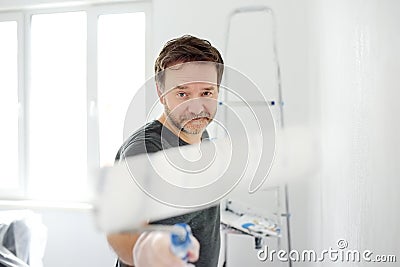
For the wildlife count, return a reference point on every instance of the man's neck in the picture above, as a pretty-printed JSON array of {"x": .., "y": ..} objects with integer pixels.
[{"x": 188, "y": 138}]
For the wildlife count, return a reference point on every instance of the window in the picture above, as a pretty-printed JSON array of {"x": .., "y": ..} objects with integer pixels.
[
  {"x": 57, "y": 105},
  {"x": 67, "y": 78},
  {"x": 121, "y": 43},
  {"x": 9, "y": 177}
]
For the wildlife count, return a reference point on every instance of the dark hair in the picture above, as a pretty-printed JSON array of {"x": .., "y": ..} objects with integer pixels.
[{"x": 184, "y": 49}]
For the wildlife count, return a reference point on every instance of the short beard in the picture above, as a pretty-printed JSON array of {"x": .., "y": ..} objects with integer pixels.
[{"x": 178, "y": 122}]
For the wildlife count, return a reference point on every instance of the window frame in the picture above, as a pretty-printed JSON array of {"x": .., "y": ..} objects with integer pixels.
[
  {"x": 20, "y": 191},
  {"x": 93, "y": 11}
]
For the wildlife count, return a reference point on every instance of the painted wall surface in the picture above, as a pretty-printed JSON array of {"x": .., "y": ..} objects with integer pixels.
[
  {"x": 73, "y": 239},
  {"x": 358, "y": 63}
]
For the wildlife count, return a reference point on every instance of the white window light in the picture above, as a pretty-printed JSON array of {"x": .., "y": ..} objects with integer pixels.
[{"x": 57, "y": 72}]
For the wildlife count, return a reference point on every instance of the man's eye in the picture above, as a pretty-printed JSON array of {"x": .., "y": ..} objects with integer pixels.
[
  {"x": 181, "y": 94},
  {"x": 207, "y": 93}
]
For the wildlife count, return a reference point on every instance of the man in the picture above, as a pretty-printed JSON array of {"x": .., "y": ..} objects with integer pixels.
[{"x": 188, "y": 73}]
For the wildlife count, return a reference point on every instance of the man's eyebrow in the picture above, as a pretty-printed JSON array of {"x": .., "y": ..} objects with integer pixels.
[{"x": 181, "y": 87}]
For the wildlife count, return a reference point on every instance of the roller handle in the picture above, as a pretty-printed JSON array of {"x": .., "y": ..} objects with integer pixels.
[{"x": 181, "y": 241}]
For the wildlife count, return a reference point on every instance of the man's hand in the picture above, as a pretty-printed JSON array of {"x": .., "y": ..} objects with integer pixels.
[{"x": 153, "y": 249}]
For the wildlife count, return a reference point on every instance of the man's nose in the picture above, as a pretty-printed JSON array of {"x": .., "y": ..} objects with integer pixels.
[{"x": 195, "y": 106}]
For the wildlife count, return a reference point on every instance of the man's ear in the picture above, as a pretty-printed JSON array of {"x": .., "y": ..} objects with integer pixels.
[{"x": 160, "y": 94}]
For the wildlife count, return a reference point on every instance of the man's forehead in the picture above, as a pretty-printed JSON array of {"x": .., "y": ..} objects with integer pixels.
[{"x": 190, "y": 72}]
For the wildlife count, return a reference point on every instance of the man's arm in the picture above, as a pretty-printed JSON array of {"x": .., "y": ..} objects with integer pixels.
[
  {"x": 151, "y": 249},
  {"x": 123, "y": 245}
]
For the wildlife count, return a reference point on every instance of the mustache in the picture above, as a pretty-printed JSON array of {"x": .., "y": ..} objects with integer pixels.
[{"x": 192, "y": 116}]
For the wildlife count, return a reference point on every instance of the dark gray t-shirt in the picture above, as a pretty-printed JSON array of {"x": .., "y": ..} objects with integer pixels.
[{"x": 205, "y": 223}]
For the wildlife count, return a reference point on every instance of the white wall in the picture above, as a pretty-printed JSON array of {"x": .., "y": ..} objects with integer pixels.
[
  {"x": 74, "y": 241},
  {"x": 358, "y": 66},
  {"x": 15, "y": 5},
  {"x": 72, "y": 238}
]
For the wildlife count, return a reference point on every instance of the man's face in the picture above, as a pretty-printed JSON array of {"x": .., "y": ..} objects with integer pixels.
[{"x": 190, "y": 96}]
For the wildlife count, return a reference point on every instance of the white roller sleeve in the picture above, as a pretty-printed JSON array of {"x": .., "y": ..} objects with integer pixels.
[{"x": 119, "y": 203}]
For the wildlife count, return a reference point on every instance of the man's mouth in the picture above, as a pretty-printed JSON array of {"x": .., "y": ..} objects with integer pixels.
[
  {"x": 201, "y": 118},
  {"x": 195, "y": 122}
]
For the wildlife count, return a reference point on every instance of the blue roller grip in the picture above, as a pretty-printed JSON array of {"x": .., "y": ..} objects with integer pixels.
[{"x": 180, "y": 244}]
